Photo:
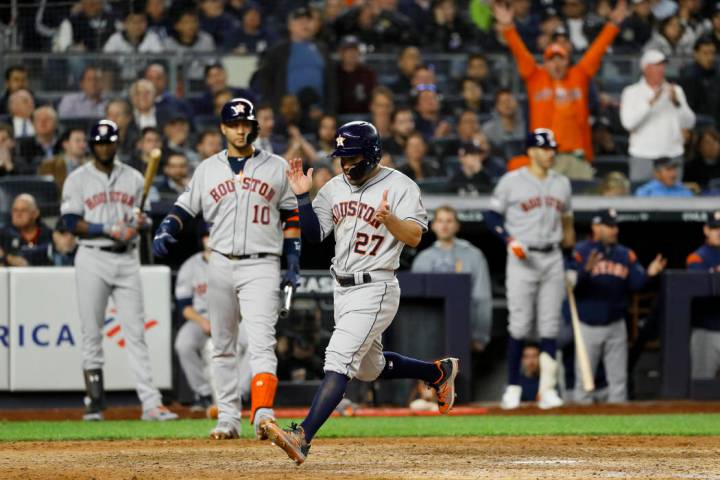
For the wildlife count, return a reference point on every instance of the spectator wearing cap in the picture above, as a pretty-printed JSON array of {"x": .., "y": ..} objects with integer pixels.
[
  {"x": 26, "y": 241},
  {"x": 7, "y": 150},
  {"x": 134, "y": 37},
  {"x": 73, "y": 153},
  {"x": 378, "y": 24},
  {"x": 558, "y": 92},
  {"x": 185, "y": 35},
  {"x": 428, "y": 116},
  {"x": 655, "y": 113},
  {"x": 449, "y": 32},
  {"x": 216, "y": 80},
  {"x": 298, "y": 66},
  {"x": 355, "y": 79},
  {"x": 32, "y": 151},
  {"x": 666, "y": 182},
  {"x": 251, "y": 36},
  {"x": 417, "y": 165},
  {"x": 450, "y": 254},
  {"x": 88, "y": 102},
  {"x": 506, "y": 123},
  {"x": 87, "y": 29},
  {"x": 607, "y": 272},
  {"x": 705, "y": 323},
  {"x": 64, "y": 246},
  {"x": 637, "y": 29},
  {"x": 20, "y": 109},
  {"x": 215, "y": 20},
  {"x": 16, "y": 78},
  {"x": 705, "y": 165},
  {"x": 671, "y": 38},
  {"x": 700, "y": 80},
  {"x": 120, "y": 112},
  {"x": 175, "y": 177},
  {"x": 402, "y": 124},
  {"x": 471, "y": 179},
  {"x": 408, "y": 60}
]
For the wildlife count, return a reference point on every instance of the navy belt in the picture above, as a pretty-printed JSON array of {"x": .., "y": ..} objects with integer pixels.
[
  {"x": 543, "y": 248},
  {"x": 245, "y": 257},
  {"x": 113, "y": 248},
  {"x": 349, "y": 280}
]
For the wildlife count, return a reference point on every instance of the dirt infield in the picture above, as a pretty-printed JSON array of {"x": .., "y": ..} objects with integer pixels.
[
  {"x": 634, "y": 408},
  {"x": 404, "y": 458}
]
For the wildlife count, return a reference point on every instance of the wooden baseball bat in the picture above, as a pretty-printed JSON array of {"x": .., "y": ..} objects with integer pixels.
[
  {"x": 150, "y": 172},
  {"x": 588, "y": 377}
]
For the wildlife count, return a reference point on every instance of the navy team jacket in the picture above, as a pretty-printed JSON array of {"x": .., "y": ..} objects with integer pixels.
[{"x": 705, "y": 310}]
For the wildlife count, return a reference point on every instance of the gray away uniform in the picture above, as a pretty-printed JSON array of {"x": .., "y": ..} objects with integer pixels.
[
  {"x": 99, "y": 198},
  {"x": 364, "y": 311},
  {"x": 243, "y": 212},
  {"x": 533, "y": 209},
  {"x": 192, "y": 283}
]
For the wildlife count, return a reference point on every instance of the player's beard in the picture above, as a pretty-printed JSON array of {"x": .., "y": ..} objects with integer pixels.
[{"x": 107, "y": 160}]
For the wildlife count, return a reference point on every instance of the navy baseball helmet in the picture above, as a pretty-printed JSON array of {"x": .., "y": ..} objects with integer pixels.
[
  {"x": 541, "y": 137},
  {"x": 358, "y": 138},
  {"x": 238, "y": 110},
  {"x": 105, "y": 131}
]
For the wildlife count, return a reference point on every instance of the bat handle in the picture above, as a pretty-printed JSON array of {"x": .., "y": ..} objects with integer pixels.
[{"x": 288, "y": 293}]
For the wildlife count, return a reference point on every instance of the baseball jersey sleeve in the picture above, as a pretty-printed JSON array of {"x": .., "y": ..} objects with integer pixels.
[
  {"x": 191, "y": 199},
  {"x": 323, "y": 210},
  {"x": 499, "y": 199},
  {"x": 183, "y": 284},
  {"x": 72, "y": 200},
  {"x": 409, "y": 206}
]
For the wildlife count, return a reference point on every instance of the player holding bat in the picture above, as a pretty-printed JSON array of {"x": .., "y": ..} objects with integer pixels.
[{"x": 102, "y": 204}]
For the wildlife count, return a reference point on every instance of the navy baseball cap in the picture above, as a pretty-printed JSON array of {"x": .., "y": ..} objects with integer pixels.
[
  {"x": 713, "y": 220},
  {"x": 605, "y": 217},
  {"x": 541, "y": 137}
]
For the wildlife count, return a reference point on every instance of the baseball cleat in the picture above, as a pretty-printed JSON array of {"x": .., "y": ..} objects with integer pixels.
[
  {"x": 291, "y": 440},
  {"x": 158, "y": 414},
  {"x": 261, "y": 427},
  {"x": 549, "y": 399},
  {"x": 93, "y": 417},
  {"x": 445, "y": 386},
  {"x": 224, "y": 431},
  {"x": 201, "y": 403},
  {"x": 511, "y": 397}
]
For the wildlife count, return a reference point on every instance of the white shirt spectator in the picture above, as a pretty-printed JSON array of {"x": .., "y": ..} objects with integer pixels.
[
  {"x": 118, "y": 43},
  {"x": 78, "y": 104},
  {"x": 655, "y": 129},
  {"x": 143, "y": 120},
  {"x": 23, "y": 127}
]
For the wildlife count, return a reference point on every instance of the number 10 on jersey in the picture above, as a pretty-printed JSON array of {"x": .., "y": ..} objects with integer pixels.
[
  {"x": 367, "y": 244},
  {"x": 261, "y": 214}
]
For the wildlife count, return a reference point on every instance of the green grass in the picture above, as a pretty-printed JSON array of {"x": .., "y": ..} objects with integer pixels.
[{"x": 682, "y": 424}]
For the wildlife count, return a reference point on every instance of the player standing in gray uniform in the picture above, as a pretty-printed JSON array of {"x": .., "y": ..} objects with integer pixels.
[
  {"x": 192, "y": 338},
  {"x": 244, "y": 196},
  {"x": 374, "y": 212},
  {"x": 531, "y": 211},
  {"x": 100, "y": 204}
]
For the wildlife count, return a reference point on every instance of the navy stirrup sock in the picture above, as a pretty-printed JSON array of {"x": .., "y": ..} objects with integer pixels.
[
  {"x": 397, "y": 366},
  {"x": 328, "y": 397},
  {"x": 514, "y": 358},
  {"x": 549, "y": 346}
]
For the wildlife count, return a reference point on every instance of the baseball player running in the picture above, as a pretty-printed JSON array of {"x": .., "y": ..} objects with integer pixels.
[
  {"x": 192, "y": 338},
  {"x": 244, "y": 195},
  {"x": 530, "y": 210},
  {"x": 100, "y": 204},
  {"x": 374, "y": 212}
]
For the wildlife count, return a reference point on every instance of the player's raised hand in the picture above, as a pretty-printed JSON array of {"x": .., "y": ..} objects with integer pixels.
[
  {"x": 299, "y": 182},
  {"x": 503, "y": 13},
  {"x": 657, "y": 265},
  {"x": 382, "y": 212}
]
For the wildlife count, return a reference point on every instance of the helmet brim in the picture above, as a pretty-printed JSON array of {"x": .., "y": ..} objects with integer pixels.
[{"x": 346, "y": 152}]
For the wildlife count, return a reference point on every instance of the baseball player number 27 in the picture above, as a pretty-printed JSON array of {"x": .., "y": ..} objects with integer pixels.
[
  {"x": 261, "y": 214},
  {"x": 363, "y": 239}
]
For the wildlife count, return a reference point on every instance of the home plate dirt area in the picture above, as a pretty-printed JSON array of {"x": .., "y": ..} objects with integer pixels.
[{"x": 640, "y": 457}]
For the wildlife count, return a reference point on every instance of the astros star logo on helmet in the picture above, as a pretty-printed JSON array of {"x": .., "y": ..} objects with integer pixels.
[
  {"x": 340, "y": 141},
  {"x": 238, "y": 109}
]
